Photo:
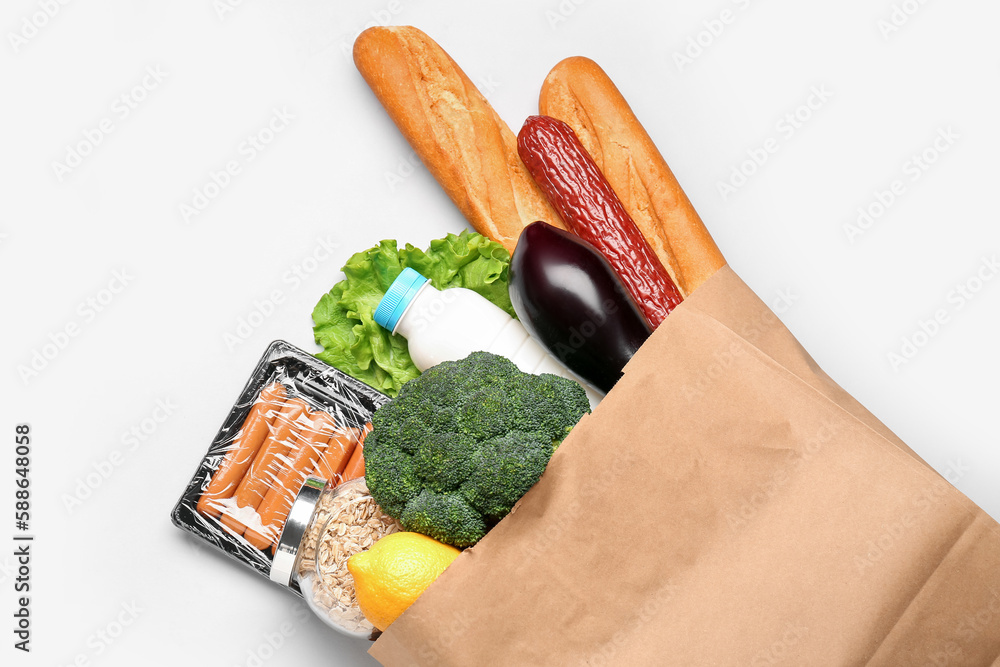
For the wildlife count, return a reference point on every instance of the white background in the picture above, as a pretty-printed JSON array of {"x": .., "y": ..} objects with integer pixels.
[{"x": 331, "y": 175}]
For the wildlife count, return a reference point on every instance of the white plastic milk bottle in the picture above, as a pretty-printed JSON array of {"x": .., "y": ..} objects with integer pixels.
[{"x": 447, "y": 325}]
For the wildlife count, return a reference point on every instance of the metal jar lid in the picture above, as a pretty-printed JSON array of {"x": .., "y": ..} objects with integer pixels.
[{"x": 286, "y": 554}]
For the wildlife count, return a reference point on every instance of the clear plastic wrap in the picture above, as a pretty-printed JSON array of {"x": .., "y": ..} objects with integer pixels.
[{"x": 296, "y": 418}]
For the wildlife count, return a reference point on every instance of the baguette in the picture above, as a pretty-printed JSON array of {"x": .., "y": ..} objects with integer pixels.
[
  {"x": 578, "y": 92},
  {"x": 465, "y": 145}
]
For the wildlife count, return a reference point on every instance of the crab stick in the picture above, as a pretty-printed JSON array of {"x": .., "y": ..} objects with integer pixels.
[
  {"x": 243, "y": 449},
  {"x": 301, "y": 461},
  {"x": 268, "y": 462},
  {"x": 356, "y": 466},
  {"x": 336, "y": 455}
]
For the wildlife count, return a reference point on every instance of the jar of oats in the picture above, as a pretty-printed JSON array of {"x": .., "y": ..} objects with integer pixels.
[{"x": 326, "y": 526}]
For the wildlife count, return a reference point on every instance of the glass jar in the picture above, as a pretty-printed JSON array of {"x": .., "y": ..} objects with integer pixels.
[{"x": 326, "y": 526}]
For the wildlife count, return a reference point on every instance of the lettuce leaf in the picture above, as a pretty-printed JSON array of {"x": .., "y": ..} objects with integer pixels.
[{"x": 343, "y": 322}]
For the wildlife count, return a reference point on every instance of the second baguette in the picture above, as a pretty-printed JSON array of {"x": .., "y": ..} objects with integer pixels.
[
  {"x": 578, "y": 92},
  {"x": 465, "y": 145}
]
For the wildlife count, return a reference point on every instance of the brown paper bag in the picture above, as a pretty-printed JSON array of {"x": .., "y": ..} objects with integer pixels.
[{"x": 727, "y": 504}]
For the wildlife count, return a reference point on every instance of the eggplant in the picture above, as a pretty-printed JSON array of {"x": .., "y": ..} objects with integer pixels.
[{"x": 572, "y": 302}]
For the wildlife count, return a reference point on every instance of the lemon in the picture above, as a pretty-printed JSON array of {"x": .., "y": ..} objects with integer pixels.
[{"x": 392, "y": 574}]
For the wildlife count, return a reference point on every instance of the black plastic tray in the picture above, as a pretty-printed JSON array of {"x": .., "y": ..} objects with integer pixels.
[{"x": 350, "y": 402}]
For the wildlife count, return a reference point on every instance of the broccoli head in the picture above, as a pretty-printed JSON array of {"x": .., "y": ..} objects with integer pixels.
[
  {"x": 503, "y": 469},
  {"x": 446, "y": 517},
  {"x": 399, "y": 428},
  {"x": 391, "y": 471},
  {"x": 460, "y": 445},
  {"x": 444, "y": 460},
  {"x": 548, "y": 405},
  {"x": 486, "y": 413}
]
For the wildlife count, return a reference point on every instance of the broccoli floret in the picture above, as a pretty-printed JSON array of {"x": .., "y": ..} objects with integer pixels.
[
  {"x": 574, "y": 400},
  {"x": 444, "y": 516},
  {"x": 390, "y": 475},
  {"x": 503, "y": 469},
  {"x": 398, "y": 426},
  {"x": 490, "y": 369},
  {"x": 487, "y": 412},
  {"x": 549, "y": 405},
  {"x": 466, "y": 439},
  {"x": 444, "y": 461},
  {"x": 434, "y": 401}
]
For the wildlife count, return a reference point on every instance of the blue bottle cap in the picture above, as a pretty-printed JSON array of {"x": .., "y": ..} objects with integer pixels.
[{"x": 400, "y": 294}]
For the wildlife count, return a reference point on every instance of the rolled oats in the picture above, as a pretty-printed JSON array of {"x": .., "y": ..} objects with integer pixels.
[{"x": 347, "y": 522}]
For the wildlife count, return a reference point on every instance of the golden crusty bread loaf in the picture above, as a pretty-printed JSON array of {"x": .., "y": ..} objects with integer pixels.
[
  {"x": 578, "y": 92},
  {"x": 459, "y": 137}
]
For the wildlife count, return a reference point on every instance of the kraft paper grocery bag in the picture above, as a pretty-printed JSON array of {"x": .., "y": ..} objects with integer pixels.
[{"x": 727, "y": 504}]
